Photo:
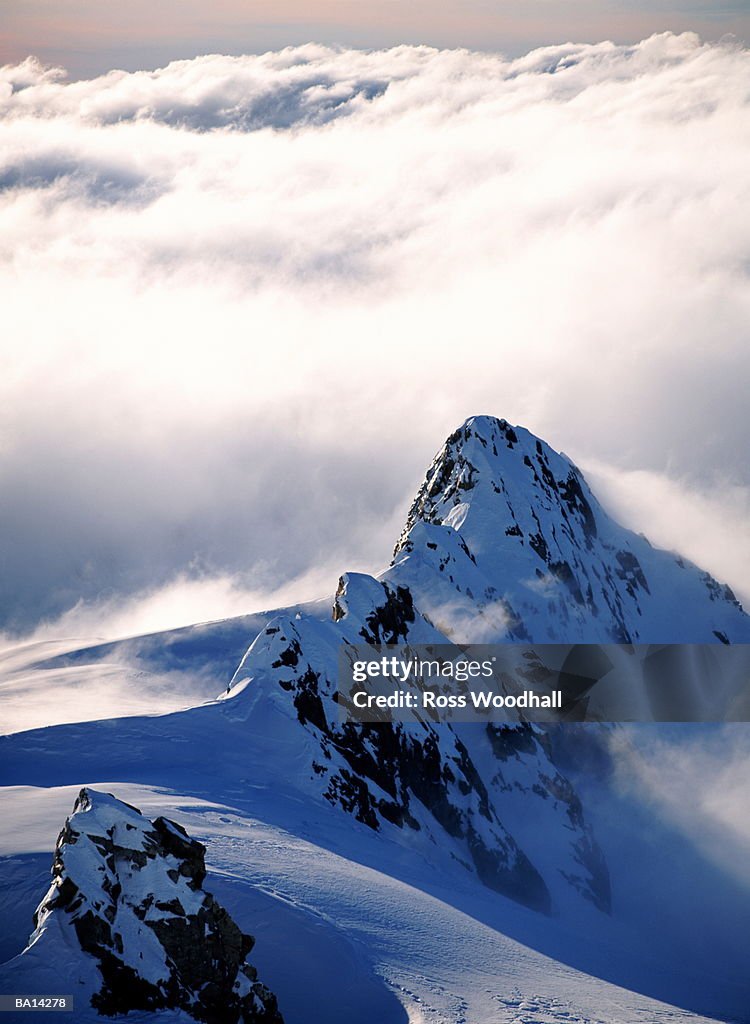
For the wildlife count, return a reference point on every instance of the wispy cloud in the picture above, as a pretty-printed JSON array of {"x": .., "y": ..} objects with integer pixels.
[
  {"x": 706, "y": 519},
  {"x": 699, "y": 780}
]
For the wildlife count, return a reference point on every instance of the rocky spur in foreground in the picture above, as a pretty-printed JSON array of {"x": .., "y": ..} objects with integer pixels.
[{"x": 127, "y": 926}]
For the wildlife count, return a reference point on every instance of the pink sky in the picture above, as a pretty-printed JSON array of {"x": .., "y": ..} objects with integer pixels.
[{"x": 91, "y": 36}]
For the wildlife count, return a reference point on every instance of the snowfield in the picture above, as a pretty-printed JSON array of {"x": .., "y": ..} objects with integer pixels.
[{"x": 339, "y": 941}]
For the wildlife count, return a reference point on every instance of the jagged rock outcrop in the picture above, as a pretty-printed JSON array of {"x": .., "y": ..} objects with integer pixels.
[
  {"x": 442, "y": 783},
  {"x": 129, "y": 893}
]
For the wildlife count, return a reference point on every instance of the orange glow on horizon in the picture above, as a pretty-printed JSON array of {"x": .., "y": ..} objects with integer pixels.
[{"x": 87, "y": 36}]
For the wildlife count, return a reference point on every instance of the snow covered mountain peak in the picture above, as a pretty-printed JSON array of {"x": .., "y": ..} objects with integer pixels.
[
  {"x": 429, "y": 788},
  {"x": 504, "y": 522},
  {"x": 504, "y": 542},
  {"x": 486, "y": 467}
]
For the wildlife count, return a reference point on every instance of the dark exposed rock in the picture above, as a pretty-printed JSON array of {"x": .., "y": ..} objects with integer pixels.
[
  {"x": 388, "y": 623},
  {"x": 307, "y": 700},
  {"x": 510, "y": 740},
  {"x": 289, "y": 656},
  {"x": 629, "y": 569},
  {"x": 572, "y": 494}
]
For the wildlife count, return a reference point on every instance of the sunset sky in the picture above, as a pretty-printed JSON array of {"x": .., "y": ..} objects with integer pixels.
[{"x": 91, "y": 36}]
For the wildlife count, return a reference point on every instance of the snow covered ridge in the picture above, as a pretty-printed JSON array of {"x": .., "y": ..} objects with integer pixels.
[
  {"x": 129, "y": 925},
  {"x": 429, "y": 786}
]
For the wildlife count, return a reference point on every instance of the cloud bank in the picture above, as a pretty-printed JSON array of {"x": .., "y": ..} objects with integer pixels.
[{"x": 245, "y": 299}]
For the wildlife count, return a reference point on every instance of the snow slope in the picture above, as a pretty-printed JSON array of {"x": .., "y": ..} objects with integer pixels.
[
  {"x": 50, "y": 682},
  {"x": 396, "y": 943}
]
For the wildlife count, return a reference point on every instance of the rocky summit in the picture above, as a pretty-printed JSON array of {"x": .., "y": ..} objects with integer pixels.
[
  {"x": 506, "y": 541},
  {"x": 127, "y": 892}
]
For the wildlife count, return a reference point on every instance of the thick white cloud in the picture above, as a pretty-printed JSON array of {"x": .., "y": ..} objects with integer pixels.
[{"x": 244, "y": 299}]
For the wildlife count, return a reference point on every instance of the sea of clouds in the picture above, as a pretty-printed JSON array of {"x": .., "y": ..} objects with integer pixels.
[{"x": 245, "y": 299}]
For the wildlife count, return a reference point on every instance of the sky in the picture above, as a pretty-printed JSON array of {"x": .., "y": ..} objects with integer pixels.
[
  {"x": 245, "y": 299},
  {"x": 92, "y": 36}
]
